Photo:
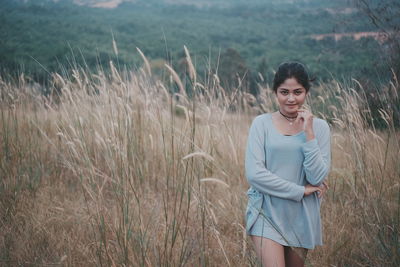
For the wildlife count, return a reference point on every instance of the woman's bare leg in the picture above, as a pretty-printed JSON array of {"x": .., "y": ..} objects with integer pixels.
[
  {"x": 270, "y": 253},
  {"x": 295, "y": 257}
]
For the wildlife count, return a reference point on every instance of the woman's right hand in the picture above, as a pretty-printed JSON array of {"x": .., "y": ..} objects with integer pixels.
[{"x": 312, "y": 189}]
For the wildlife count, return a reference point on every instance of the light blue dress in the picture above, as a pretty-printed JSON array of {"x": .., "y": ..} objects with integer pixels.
[{"x": 277, "y": 168}]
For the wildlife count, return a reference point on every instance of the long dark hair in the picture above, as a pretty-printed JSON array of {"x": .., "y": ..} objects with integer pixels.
[{"x": 291, "y": 70}]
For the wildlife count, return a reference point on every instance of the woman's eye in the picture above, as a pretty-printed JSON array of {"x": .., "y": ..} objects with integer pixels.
[
  {"x": 298, "y": 92},
  {"x": 284, "y": 92}
]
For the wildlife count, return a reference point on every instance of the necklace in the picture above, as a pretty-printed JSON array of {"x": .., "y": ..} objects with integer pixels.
[{"x": 288, "y": 118}]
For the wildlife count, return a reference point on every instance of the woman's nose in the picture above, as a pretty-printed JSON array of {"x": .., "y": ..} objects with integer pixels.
[{"x": 291, "y": 97}]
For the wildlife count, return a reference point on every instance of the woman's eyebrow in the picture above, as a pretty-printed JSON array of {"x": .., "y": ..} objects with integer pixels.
[{"x": 282, "y": 88}]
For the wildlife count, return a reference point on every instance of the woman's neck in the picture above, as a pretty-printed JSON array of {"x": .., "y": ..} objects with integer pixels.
[{"x": 288, "y": 116}]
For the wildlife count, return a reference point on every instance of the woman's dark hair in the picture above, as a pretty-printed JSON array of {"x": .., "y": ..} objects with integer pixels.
[{"x": 291, "y": 70}]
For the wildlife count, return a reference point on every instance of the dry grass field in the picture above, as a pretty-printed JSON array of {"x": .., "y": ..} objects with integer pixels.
[{"x": 117, "y": 171}]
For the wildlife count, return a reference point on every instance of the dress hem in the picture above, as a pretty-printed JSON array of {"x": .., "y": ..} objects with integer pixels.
[{"x": 282, "y": 243}]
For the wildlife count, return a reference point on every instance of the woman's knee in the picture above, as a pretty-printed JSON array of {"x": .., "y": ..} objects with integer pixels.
[{"x": 295, "y": 257}]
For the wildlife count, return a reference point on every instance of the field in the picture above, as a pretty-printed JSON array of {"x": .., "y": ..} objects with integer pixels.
[{"x": 114, "y": 169}]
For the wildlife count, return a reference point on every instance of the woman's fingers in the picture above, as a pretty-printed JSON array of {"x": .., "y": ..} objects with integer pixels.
[
  {"x": 299, "y": 116},
  {"x": 312, "y": 189},
  {"x": 305, "y": 116},
  {"x": 321, "y": 193},
  {"x": 324, "y": 187}
]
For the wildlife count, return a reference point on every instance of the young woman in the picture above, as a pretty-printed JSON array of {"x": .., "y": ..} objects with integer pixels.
[{"x": 287, "y": 161}]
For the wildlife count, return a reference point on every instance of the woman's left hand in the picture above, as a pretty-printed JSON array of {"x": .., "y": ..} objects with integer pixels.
[{"x": 306, "y": 117}]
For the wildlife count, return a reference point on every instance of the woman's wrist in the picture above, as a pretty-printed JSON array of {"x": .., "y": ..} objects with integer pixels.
[{"x": 309, "y": 134}]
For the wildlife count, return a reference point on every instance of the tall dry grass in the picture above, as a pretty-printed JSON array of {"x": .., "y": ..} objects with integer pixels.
[{"x": 117, "y": 170}]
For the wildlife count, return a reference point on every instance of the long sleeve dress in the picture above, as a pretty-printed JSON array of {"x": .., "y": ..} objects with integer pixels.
[{"x": 277, "y": 169}]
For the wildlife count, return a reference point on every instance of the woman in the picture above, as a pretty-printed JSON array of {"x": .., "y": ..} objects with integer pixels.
[{"x": 287, "y": 160}]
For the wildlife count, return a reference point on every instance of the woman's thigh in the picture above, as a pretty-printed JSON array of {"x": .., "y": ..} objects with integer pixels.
[
  {"x": 295, "y": 257},
  {"x": 270, "y": 253}
]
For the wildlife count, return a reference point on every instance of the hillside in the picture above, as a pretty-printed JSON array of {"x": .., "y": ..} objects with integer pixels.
[{"x": 45, "y": 36}]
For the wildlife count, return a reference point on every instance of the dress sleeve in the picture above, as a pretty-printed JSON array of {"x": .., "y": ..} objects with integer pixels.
[
  {"x": 258, "y": 176},
  {"x": 317, "y": 155}
]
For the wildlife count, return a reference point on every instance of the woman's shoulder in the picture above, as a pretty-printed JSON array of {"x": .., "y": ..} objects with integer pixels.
[
  {"x": 262, "y": 119},
  {"x": 320, "y": 125},
  {"x": 320, "y": 122}
]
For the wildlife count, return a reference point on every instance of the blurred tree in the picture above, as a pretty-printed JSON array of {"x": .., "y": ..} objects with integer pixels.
[
  {"x": 385, "y": 15},
  {"x": 263, "y": 70},
  {"x": 233, "y": 72}
]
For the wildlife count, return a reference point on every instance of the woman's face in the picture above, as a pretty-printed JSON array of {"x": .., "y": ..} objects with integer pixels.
[{"x": 291, "y": 96}]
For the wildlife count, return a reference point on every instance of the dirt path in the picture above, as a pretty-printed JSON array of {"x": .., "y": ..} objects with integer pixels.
[{"x": 378, "y": 36}]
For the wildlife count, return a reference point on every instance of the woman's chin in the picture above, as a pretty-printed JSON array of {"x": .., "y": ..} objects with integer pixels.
[{"x": 291, "y": 111}]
